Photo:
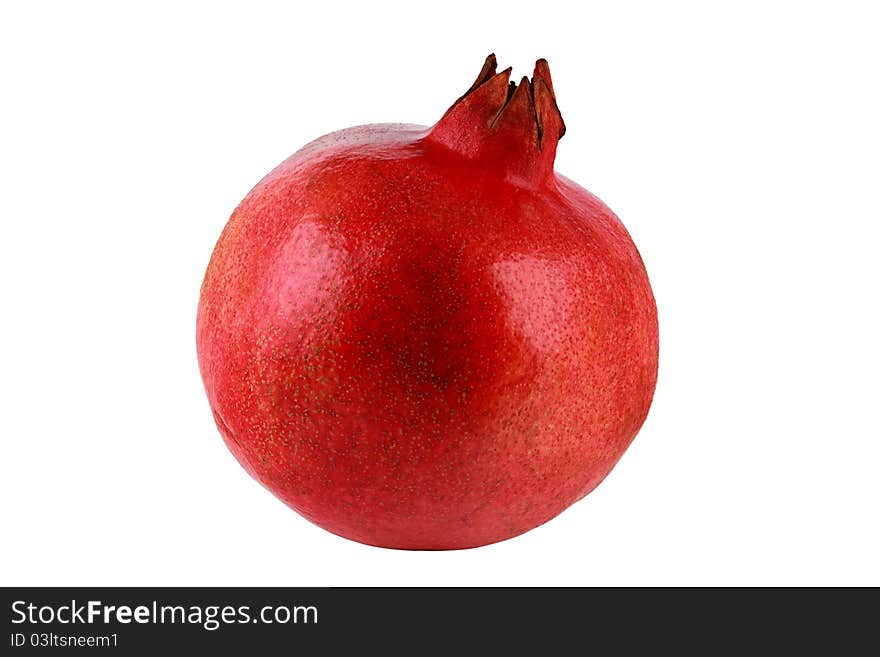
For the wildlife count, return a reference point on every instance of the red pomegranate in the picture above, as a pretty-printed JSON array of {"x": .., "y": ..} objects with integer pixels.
[{"x": 424, "y": 338}]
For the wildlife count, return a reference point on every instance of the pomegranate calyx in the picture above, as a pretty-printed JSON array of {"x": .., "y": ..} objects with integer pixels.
[{"x": 513, "y": 127}]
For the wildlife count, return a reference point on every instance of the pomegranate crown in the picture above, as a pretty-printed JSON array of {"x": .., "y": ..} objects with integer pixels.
[{"x": 513, "y": 127}]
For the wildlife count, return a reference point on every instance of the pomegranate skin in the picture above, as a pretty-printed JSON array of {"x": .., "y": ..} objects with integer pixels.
[{"x": 423, "y": 338}]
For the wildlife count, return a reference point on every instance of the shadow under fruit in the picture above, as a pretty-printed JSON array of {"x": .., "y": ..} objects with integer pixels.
[{"x": 424, "y": 338}]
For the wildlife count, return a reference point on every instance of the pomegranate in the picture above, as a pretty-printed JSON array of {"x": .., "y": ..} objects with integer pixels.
[{"x": 424, "y": 338}]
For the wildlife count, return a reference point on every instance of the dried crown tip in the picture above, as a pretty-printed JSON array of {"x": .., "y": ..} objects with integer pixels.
[
  {"x": 542, "y": 71},
  {"x": 487, "y": 72},
  {"x": 538, "y": 94},
  {"x": 541, "y": 95},
  {"x": 490, "y": 68}
]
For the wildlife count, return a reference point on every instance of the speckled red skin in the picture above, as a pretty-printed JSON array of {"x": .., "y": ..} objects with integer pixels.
[{"x": 424, "y": 338}]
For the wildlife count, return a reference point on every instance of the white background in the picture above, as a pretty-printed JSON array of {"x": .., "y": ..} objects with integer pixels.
[{"x": 740, "y": 146}]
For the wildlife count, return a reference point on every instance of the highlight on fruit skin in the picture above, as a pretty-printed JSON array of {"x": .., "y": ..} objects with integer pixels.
[{"x": 424, "y": 337}]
